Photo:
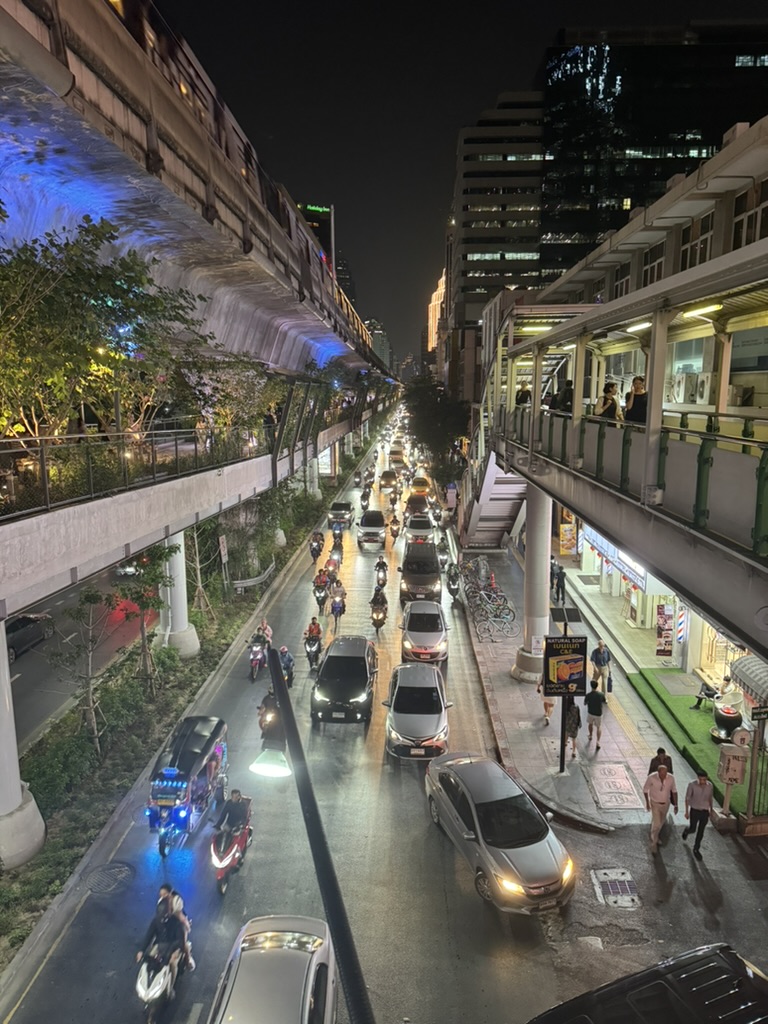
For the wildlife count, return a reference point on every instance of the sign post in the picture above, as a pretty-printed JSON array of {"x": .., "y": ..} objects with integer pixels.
[{"x": 565, "y": 675}]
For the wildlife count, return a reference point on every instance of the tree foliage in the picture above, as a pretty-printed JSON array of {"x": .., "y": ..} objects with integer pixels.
[{"x": 437, "y": 422}]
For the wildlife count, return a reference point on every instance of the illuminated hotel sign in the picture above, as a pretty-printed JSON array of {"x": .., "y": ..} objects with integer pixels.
[{"x": 626, "y": 565}]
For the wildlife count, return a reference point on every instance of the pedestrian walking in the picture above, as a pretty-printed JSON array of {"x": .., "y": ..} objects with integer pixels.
[
  {"x": 553, "y": 567},
  {"x": 572, "y": 721},
  {"x": 661, "y": 758},
  {"x": 698, "y": 809},
  {"x": 560, "y": 585},
  {"x": 601, "y": 664},
  {"x": 660, "y": 790},
  {"x": 547, "y": 701},
  {"x": 595, "y": 700}
]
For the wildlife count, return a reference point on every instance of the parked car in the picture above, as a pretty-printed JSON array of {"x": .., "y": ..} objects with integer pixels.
[
  {"x": 420, "y": 528},
  {"x": 343, "y": 689},
  {"x": 518, "y": 862},
  {"x": 425, "y": 633},
  {"x": 372, "y": 528},
  {"x": 387, "y": 480},
  {"x": 341, "y": 512},
  {"x": 281, "y": 968},
  {"x": 25, "y": 631},
  {"x": 417, "y": 716},
  {"x": 705, "y": 985}
]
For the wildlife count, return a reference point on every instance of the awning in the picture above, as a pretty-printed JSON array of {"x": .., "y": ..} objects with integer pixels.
[{"x": 751, "y": 673}]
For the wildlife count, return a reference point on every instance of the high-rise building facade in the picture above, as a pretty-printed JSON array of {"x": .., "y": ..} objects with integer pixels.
[
  {"x": 494, "y": 237},
  {"x": 627, "y": 109},
  {"x": 380, "y": 341},
  {"x": 435, "y": 317}
]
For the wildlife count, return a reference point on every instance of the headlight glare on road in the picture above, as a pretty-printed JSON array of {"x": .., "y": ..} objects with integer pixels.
[
  {"x": 567, "y": 870},
  {"x": 508, "y": 886}
]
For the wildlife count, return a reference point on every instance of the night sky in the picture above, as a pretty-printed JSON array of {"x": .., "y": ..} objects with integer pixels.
[{"x": 360, "y": 106}]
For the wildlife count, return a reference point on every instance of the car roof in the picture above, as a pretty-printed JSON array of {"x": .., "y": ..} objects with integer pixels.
[
  {"x": 423, "y": 606},
  {"x": 373, "y": 515},
  {"x": 347, "y": 646},
  {"x": 419, "y": 517},
  {"x": 415, "y": 673},
  {"x": 484, "y": 778}
]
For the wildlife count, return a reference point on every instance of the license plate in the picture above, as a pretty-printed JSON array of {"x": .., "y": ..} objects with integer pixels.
[
  {"x": 420, "y": 597},
  {"x": 546, "y": 904},
  {"x": 424, "y": 657},
  {"x": 338, "y": 714},
  {"x": 417, "y": 751}
]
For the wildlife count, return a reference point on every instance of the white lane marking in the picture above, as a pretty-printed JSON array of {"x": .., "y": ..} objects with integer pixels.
[
  {"x": 194, "y": 1013},
  {"x": 17, "y": 676},
  {"x": 61, "y": 601}
]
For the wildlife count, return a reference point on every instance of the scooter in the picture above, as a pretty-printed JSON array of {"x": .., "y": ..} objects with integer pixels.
[
  {"x": 393, "y": 501},
  {"x": 258, "y": 655},
  {"x": 381, "y": 575},
  {"x": 154, "y": 984},
  {"x": 337, "y": 610},
  {"x": 364, "y": 502},
  {"x": 321, "y": 596},
  {"x": 378, "y": 616},
  {"x": 443, "y": 555},
  {"x": 315, "y": 547},
  {"x": 452, "y": 582},
  {"x": 337, "y": 551},
  {"x": 394, "y": 529},
  {"x": 358, "y": 478},
  {"x": 228, "y": 847},
  {"x": 312, "y": 647}
]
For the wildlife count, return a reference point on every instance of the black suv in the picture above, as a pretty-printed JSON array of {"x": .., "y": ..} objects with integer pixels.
[
  {"x": 343, "y": 690},
  {"x": 341, "y": 512},
  {"x": 25, "y": 631},
  {"x": 705, "y": 985},
  {"x": 372, "y": 529}
]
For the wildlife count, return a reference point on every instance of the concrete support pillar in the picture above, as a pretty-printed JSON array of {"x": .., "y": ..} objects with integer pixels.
[
  {"x": 654, "y": 382},
  {"x": 534, "y": 431},
  {"x": 22, "y": 829},
  {"x": 538, "y": 544},
  {"x": 175, "y": 628},
  {"x": 578, "y": 369},
  {"x": 723, "y": 351},
  {"x": 313, "y": 479}
]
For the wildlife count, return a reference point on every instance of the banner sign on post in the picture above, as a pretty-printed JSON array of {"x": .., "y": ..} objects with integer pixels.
[
  {"x": 565, "y": 666},
  {"x": 664, "y": 630}
]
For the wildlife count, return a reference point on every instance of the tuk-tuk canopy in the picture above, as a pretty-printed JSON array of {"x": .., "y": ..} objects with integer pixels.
[{"x": 188, "y": 748}]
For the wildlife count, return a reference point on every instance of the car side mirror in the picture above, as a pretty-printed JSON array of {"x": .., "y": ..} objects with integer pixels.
[
  {"x": 549, "y": 815},
  {"x": 386, "y": 703},
  {"x": 401, "y": 626},
  {"x": 469, "y": 835},
  {"x": 449, "y": 704},
  {"x": 399, "y": 568}
]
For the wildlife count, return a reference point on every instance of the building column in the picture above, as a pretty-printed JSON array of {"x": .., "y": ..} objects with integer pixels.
[
  {"x": 723, "y": 352},
  {"x": 538, "y": 546},
  {"x": 578, "y": 368},
  {"x": 22, "y": 829},
  {"x": 175, "y": 628},
  {"x": 534, "y": 438},
  {"x": 313, "y": 479},
  {"x": 654, "y": 382}
]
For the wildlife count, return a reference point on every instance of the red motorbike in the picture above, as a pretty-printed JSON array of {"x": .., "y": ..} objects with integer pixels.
[{"x": 228, "y": 847}]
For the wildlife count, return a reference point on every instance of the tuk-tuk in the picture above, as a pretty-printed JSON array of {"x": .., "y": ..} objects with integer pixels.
[{"x": 189, "y": 775}]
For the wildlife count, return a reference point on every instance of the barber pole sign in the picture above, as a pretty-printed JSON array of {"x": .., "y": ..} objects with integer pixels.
[{"x": 682, "y": 624}]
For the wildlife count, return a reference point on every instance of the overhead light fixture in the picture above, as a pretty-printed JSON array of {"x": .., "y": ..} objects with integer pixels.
[
  {"x": 568, "y": 348},
  {"x": 534, "y": 328},
  {"x": 702, "y": 310},
  {"x": 644, "y": 325},
  {"x": 272, "y": 764}
]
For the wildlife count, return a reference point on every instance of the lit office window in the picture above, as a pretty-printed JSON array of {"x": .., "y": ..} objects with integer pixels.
[
  {"x": 626, "y": 204},
  {"x": 745, "y": 61}
]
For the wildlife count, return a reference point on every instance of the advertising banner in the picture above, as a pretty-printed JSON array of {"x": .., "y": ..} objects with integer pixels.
[
  {"x": 567, "y": 538},
  {"x": 565, "y": 666},
  {"x": 665, "y": 630}
]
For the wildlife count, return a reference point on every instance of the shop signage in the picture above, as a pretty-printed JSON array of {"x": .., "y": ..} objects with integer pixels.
[
  {"x": 567, "y": 538},
  {"x": 537, "y": 646},
  {"x": 760, "y": 713},
  {"x": 665, "y": 617},
  {"x": 626, "y": 565},
  {"x": 565, "y": 666}
]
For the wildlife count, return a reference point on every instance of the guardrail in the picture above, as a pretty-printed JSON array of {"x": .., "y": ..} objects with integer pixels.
[{"x": 241, "y": 585}]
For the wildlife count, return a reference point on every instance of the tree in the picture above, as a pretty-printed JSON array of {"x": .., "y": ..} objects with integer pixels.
[
  {"x": 437, "y": 422},
  {"x": 79, "y": 325},
  {"x": 143, "y": 592}
]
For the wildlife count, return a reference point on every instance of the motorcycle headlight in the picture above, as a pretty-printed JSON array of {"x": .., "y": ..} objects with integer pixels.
[
  {"x": 407, "y": 644},
  {"x": 508, "y": 886},
  {"x": 320, "y": 697},
  {"x": 403, "y": 585},
  {"x": 567, "y": 870}
]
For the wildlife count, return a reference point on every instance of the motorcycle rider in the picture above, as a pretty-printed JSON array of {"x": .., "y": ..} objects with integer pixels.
[
  {"x": 168, "y": 934},
  {"x": 318, "y": 537},
  {"x": 234, "y": 812},
  {"x": 288, "y": 662},
  {"x": 321, "y": 580},
  {"x": 176, "y": 904},
  {"x": 270, "y": 721},
  {"x": 379, "y": 599},
  {"x": 394, "y": 526},
  {"x": 338, "y": 592},
  {"x": 313, "y": 629},
  {"x": 381, "y": 564}
]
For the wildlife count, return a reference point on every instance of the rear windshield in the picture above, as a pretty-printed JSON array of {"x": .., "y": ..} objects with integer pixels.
[
  {"x": 421, "y": 566},
  {"x": 511, "y": 822},
  {"x": 424, "y": 622},
  {"x": 417, "y": 700}
]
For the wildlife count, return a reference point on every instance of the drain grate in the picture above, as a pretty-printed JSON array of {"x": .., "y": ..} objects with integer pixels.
[
  {"x": 615, "y": 887},
  {"x": 109, "y": 878}
]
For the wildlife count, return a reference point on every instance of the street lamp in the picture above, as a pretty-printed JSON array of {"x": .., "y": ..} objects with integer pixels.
[{"x": 355, "y": 991}]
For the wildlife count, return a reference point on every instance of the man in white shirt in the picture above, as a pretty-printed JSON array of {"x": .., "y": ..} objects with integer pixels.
[
  {"x": 660, "y": 791},
  {"x": 698, "y": 808}
]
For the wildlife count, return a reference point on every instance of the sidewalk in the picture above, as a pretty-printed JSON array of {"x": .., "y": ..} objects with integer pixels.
[{"x": 601, "y": 790}]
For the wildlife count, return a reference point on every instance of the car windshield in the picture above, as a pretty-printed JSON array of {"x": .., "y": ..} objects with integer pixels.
[
  {"x": 424, "y": 622},
  {"x": 342, "y": 674},
  {"x": 417, "y": 700},
  {"x": 420, "y": 566},
  {"x": 511, "y": 822}
]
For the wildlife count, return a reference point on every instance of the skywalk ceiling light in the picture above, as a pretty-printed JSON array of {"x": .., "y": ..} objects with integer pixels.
[
  {"x": 535, "y": 328},
  {"x": 641, "y": 326},
  {"x": 702, "y": 310},
  {"x": 568, "y": 348}
]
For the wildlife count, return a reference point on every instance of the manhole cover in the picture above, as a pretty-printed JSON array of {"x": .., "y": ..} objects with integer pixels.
[
  {"x": 109, "y": 878},
  {"x": 615, "y": 887}
]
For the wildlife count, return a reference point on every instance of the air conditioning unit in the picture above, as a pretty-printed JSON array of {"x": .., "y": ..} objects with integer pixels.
[
  {"x": 685, "y": 387},
  {"x": 735, "y": 394},
  {"x": 705, "y": 389}
]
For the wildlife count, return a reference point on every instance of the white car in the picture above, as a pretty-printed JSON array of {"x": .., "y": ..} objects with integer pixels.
[
  {"x": 417, "y": 715},
  {"x": 420, "y": 529},
  {"x": 425, "y": 632},
  {"x": 280, "y": 968}
]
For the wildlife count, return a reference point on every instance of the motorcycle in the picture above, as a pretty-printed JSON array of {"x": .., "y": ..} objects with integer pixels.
[
  {"x": 258, "y": 656},
  {"x": 338, "y": 532},
  {"x": 321, "y": 596},
  {"x": 315, "y": 547},
  {"x": 154, "y": 984},
  {"x": 378, "y": 616},
  {"x": 228, "y": 846},
  {"x": 437, "y": 515},
  {"x": 337, "y": 551},
  {"x": 312, "y": 647},
  {"x": 394, "y": 529},
  {"x": 393, "y": 500},
  {"x": 381, "y": 575},
  {"x": 443, "y": 555},
  {"x": 358, "y": 478},
  {"x": 453, "y": 582},
  {"x": 337, "y": 610},
  {"x": 364, "y": 502},
  {"x": 332, "y": 564}
]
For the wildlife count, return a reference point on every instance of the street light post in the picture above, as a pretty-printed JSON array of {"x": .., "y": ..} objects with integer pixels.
[{"x": 355, "y": 991}]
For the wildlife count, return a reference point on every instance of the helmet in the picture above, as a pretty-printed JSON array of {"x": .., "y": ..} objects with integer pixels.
[
  {"x": 283, "y": 649},
  {"x": 378, "y": 590}
]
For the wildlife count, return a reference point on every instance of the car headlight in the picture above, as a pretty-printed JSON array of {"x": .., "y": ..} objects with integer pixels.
[
  {"x": 437, "y": 585},
  {"x": 382, "y": 534},
  {"x": 395, "y": 737},
  {"x": 508, "y": 886},
  {"x": 443, "y": 734},
  {"x": 407, "y": 644},
  {"x": 403, "y": 585},
  {"x": 320, "y": 697},
  {"x": 441, "y": 646},
  {"x": 360, "y": 698},
  {"x": 567, "y": 870}
]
